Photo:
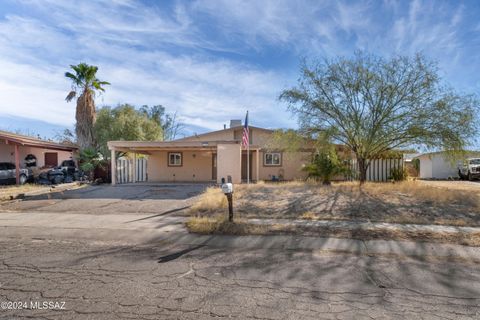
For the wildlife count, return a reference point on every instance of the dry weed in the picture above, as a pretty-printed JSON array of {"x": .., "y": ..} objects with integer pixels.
[
  {"x": 425, "y": 193},
  {"x": 404, "y": 202},
  {"x": 308, "y": 215},
  {"x": 220, "y": 225},
  {"x": 210, "y": 201},
  {"x": 11, "y": 190}
]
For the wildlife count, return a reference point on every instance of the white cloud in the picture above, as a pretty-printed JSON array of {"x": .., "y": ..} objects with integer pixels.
[
  {"x": 179, "y": 55},
  {"x": 205, "y": 92}
]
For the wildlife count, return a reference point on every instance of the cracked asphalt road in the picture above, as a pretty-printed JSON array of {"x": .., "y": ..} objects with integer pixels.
[
  {"x": 108, "y": 280},
  {"x": 133, "y": 264}
]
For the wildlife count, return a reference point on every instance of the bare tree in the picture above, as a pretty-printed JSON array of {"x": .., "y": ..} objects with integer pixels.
[{"x": 169, "y": 123}]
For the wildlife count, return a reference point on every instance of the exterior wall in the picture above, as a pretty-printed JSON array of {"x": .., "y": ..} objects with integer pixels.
[
  {"x": 7, "y": 154},
  {"x": 196, "y": 167},
  {"x": 291, "y": 168},
  {"x": 425, "y": 167},
  {"x": 229, "y": 162},
  {"x": 260, "y": 137},
  {"x": 438, "y": 166},
  {"x": 443, "y": 168}
]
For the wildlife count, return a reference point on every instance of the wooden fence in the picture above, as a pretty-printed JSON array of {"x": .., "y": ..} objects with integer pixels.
[
  {"x": 378, "y": 170},
  {"x": 125, "y": 172}
]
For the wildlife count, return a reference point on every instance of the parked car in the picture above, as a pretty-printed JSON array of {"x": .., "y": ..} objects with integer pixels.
[
  {"x": 68, "y": 167},
  {"x": 470, "y": 169},
  {"x": 8, "y": 173},
  {"x": 66, "y": 172}
]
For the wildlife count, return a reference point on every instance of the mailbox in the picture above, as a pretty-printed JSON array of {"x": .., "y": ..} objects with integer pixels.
[{"x": 227, "y": 188}]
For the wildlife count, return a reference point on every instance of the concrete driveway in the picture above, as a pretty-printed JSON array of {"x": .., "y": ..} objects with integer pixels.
[{"x": 105, "y": 199}]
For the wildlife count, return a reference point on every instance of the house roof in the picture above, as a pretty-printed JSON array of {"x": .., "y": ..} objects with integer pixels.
[
  {"x": 23, "y": 140},
  {"x": 203, "y": 135},
  {"x": 194, "y": 142},
  {"x": 167, "y": 144},
  {"x": 408, "y": 157},
  {"x": 429, "y": 154},
  {"x": 147, "y": 146}
]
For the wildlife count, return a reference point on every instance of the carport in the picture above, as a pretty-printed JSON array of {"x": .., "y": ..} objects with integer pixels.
[
  {"x": 185, "y": 161},
  {"x": 16, "y": 146}
]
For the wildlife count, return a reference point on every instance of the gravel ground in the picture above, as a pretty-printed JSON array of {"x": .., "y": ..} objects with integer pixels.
[
  {"x": 454, "y": 185},
  {"x": 415, "y": 202}
]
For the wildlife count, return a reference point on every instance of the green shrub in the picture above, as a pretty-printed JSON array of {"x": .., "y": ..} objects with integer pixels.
[
  {"x": 324, "y": 166},
  {"x": 398, "y": 174},
  {"x": 89, "y": 160}
]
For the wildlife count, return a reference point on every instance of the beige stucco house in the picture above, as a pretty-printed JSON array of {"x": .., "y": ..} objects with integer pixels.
[{"x": 215, "y": 155}]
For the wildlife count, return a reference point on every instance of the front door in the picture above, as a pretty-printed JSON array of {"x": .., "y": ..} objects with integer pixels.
[
  {"x": 244, "y": 166},
  {"x": 51, "y": 159}
]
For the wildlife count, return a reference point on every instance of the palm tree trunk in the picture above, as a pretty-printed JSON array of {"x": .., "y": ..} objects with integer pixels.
[{"x": 85, "y": 116}]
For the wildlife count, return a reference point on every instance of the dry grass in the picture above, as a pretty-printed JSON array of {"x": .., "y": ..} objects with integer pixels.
[
  {"x": 472, "y": 239},
  {"x": 406, "y": 202},
  {"x": 436, "y": 195},
  {"x": 220, "y": 225},
  {"x": 211, "y": 200},
  {"x": 309, "y": 215},
  {"x": 7, "y": 192}
]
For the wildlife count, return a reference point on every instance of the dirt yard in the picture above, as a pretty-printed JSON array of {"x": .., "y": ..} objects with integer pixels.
[{"x": 408, "y": 202}]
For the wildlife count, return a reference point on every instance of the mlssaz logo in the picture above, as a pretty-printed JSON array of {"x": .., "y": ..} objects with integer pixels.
[{"x": 47, "y": 305}]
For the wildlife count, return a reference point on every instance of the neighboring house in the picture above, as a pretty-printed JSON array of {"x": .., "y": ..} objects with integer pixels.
[
  {"x": 215, "y": 155},
  {"x": 26, "y": 151},
  {"x": 439, "y": 165}
]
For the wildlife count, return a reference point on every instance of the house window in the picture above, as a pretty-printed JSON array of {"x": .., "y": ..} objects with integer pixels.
[
  {"x": 175, "y": 159},
  {"x": 272, "y": 159}
]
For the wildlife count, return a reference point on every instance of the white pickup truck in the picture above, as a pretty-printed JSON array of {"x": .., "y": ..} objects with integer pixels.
[{"x": 469, "y": 169}]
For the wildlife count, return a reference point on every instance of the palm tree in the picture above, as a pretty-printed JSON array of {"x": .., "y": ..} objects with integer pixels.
[{"x": 86, "y": 83}]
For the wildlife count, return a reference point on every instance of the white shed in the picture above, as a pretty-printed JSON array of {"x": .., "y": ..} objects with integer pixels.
[{"x": 438, "y": 165}]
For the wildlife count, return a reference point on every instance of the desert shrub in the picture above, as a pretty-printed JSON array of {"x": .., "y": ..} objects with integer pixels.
[
  {"x": 416, "y": 165},
  {"x": 398, "y": 174},
  {"x": 89, "y": 160},
  {"x": 324, "y": 166}
]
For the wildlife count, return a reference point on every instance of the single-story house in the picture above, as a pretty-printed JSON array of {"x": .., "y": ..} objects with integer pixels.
[
  {"x": 439, "y": 165},
  {"x": 25, "y": 151},
  {"x": 215, "y": 155},
  {"x": 211, "y": 156}
]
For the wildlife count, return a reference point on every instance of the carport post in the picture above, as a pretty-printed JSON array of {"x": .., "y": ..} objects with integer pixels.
[
  {"x": 134, "y": 167},
  {"x": 17, "y": 165},
  {"x": 113, "y": 167},
  {"x": 257, "y": 165}
]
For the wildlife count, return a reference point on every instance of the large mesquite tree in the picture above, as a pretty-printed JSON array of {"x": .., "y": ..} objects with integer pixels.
[
  {"x": 373, "y": 105},
  {"x": 85, "y": 83}
]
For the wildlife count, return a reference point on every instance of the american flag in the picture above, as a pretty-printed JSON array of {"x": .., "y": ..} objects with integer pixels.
[{"x": 245, "y": 141}]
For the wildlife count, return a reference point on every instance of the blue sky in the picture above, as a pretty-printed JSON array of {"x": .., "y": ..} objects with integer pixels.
[{"x": 210, "y": 61}]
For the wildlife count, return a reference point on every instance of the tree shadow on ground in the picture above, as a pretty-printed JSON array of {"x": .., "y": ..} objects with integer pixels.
[{"x": 353, "y": 203}]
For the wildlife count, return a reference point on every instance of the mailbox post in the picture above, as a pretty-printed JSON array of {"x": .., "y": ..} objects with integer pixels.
[{"x": 227, "y": 189}]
